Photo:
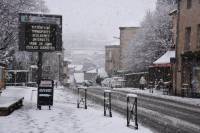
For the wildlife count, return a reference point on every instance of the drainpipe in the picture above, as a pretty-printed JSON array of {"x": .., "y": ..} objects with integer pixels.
[{"x": 176, "y": 46}]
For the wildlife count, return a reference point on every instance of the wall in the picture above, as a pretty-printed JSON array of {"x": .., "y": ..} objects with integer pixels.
[
  {"x": 187, "y": 18},
  {"x": 127, "y": 34},
  {"x": 112, "y": 59}
]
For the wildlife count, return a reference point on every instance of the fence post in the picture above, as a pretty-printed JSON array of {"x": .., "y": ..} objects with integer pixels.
[
  {"x": 82, "y": 100},
  {"x": 132, "y": 109},
  {"x": 85, "y": 98},
  {"x": 127, "y": 111},
  {"x": 104, "y": 105},
  {"x": 107, "y": 102},
  {"x": 78, "y": 100}
]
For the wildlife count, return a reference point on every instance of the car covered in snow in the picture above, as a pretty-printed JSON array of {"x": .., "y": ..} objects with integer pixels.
[
  {"x": 114, "y": 82},
  {"x": 117, "y": 82},
  {"x": 106, "y": 82},
  {"x": 88, "y": 83}
]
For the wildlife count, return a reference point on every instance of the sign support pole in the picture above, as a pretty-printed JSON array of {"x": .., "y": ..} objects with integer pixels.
[{"x": 39, "y": 72}]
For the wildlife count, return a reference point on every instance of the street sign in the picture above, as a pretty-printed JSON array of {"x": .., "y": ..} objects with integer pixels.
[
  {"x": 45, "y": 93},
  {"x": 40, "y": 33}
]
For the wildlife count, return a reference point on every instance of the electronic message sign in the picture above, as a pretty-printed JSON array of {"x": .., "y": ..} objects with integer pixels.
[{"x": 40, "y": 33}]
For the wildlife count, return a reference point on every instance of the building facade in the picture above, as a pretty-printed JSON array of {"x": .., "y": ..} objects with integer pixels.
[
  {"x": 188, "y": 47},
  {"x": 2, "y": 76},
  {"x": 127, "y": 35},
  {"x": 65, "y": 74},
  {"x": 112, "y": 59},
  {"x": 91, "y": 75},
  {"x": 174, "y": 16}
]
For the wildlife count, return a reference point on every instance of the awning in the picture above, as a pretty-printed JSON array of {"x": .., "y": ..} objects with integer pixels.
[{"x": 164, "y": 61}]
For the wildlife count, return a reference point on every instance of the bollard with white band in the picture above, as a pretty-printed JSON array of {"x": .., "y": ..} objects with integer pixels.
[
  {"x": 82, "y": 100},
  {"x": 132, "y": 109},
  {"x": 107, "y": 102}
]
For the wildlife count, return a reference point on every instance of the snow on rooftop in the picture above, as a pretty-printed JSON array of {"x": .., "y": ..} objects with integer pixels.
[
  {"x": 67, "y": 59},
  {"x": 92, "y": 71},
  {"x": 165, "y": 59},
  {"x": 34, "y": 66},
  {"x": 76, "y": 67},
  {"x": 79, "y": 77},
  {"x": 102, "y": 72}
]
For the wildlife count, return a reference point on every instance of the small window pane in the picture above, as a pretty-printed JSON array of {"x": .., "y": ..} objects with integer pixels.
[
  {"x": 198, "y": 36},
  {"x": 189, "y": 4},
  {"x": 187, "y": 38},
  {"x": 1, "y": 74}
]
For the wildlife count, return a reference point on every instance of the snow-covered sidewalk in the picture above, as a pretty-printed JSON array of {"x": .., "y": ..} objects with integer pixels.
[{"x": 63, "y": 118}]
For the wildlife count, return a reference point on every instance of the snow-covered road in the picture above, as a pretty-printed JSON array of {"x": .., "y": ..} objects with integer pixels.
[{"x": 63, "y": 118}]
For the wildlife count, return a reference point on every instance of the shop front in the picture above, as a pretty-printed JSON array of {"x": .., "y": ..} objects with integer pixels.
[{"x": 191, "y": 73}]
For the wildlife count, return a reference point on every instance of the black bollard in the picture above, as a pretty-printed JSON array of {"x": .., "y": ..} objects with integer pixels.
[
  {"x": 85, "y": 98},
  {"x": 82, "y": 100},
  {"x": 107, "y": 102},
  {"x": 132, "y": 109}
]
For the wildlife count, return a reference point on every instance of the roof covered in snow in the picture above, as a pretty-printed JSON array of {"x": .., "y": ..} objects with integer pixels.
[
  {"x": 34, "y": 66},
  {"x": 92, "y": 71},
  {"x": 79, "y": 77},
  {"x": 102, "y": 73},
  {"x": 77, "y": 68},
  {"x": 165, "y": 59},
  {"x": 67, "y": 59}
]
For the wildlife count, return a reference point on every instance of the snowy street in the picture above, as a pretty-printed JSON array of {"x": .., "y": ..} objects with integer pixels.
[{"x": 63, "y": 118}]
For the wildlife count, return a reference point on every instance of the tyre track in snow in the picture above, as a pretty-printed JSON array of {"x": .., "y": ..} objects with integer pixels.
[{"x": 162, "y": 114}]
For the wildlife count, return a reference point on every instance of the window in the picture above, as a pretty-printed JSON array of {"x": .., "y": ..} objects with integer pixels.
[
  {"x": 189, "y": 4},
  {"x": 187, "y": 38},
  {"x": 196, "y": 80},
  {"x": 198, "y": 36},
  {"x": 1, "y": 73}
]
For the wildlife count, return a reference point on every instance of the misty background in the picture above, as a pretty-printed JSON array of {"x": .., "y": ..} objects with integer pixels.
[{"x": 94, "y": 23}]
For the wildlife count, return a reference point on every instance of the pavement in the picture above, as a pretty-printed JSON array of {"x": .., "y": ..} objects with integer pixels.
[{"x": 64, "y": 117}]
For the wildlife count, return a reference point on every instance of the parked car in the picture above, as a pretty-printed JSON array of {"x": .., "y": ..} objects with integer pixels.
[
  {"x": 117, "y": 82},
  {"x": 106, "y": 82},
  {"x": 114, "y": 82},
  {"x": 88, "y": 83}
]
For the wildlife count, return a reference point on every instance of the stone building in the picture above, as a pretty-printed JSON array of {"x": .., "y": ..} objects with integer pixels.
[
  {"x": 188, "y": 48},
  {"x": 174, "y": 16},
  {"x": 112, "y": 59},
  {"x": 65, "y": 74},
  {"x": 127, "y": 34},
  {"x": 91, "y": 75}
]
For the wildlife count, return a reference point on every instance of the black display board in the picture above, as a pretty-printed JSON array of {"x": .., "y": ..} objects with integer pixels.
[
  {"x": 45, "y": 93},
  {"x": 40, "y": 33}
]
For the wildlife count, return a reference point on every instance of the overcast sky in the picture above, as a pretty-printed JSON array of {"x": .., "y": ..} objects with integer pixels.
[{"x": 98, "y": 20}]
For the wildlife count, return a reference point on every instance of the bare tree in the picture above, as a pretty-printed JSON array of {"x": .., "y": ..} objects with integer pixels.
[
  {"x": 153, "y": 39},
  {"x": 9, "y": 10}
]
